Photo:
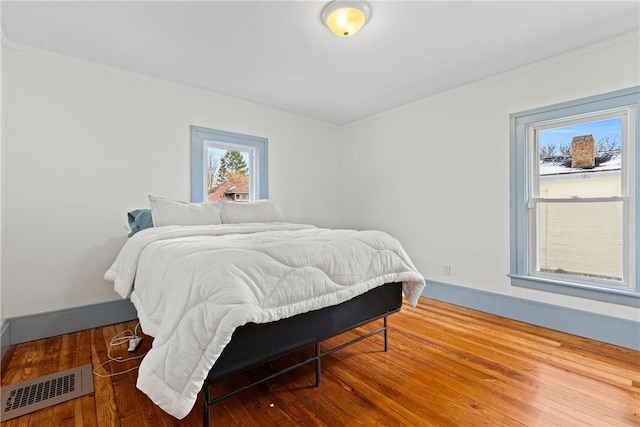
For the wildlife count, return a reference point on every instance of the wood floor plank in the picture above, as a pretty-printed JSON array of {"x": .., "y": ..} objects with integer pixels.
[
  {"x": 600, "y": 370},
  {"x": 85, "y": 406},
  {"x": 464, "y": 350},
  {"x": 447, "y": 366},
  {"x": 124, "y": 384},
  {"x": 106, "y": 406}
]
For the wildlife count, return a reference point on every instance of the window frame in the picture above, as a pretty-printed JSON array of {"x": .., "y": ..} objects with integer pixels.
[
  {"x": 521, "y": 163},
  {"x": 202, "y": 138}
]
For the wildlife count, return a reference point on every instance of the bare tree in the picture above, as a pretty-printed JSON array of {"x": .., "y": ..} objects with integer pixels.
[
  {"x": 212, "y": 168},
  {"x": 565, "y": 150},
  {"x": 608, "y": 143},
  {"x": 547, "y": 151},
  {"x": 238, "y": 178},
  {"x": 550, "y": 150}
]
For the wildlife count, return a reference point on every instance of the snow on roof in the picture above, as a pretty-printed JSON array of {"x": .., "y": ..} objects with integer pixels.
[{"x": 605, "y": 161}]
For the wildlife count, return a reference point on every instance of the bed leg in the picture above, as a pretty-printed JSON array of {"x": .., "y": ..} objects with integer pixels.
[
  {"x": 318, "y": 367},
  {"x": 386, "y": 344},
  {"x": 205, "y": 411}
]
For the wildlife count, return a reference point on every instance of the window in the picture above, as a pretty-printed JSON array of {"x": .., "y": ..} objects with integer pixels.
[
  {"x": 574, "y": 198},
  {"x": 227, "y": 165}
]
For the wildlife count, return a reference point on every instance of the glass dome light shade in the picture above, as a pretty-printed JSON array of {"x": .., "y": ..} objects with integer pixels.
[{"x": 345, "y": 18}]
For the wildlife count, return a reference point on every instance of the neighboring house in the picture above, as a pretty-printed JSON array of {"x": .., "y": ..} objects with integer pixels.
[
  {"x": 229, "y": 191},
  {"x": 565, "y": 226}
]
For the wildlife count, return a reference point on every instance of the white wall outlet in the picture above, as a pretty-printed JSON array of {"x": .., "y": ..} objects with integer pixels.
[{"x": 446, "y": 269}]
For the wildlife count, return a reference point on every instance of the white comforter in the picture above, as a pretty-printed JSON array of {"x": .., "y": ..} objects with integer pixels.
[{"x": 195, "y": 285}]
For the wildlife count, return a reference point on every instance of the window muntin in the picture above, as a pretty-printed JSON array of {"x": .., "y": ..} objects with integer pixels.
[
  {"x": 535, "y": 193},
  {"x": 209, "y": 146}
]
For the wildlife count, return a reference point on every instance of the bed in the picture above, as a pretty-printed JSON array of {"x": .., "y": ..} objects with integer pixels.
[
  {"x": 255, "y": 344},
  {"x": 221, "y": 298}
]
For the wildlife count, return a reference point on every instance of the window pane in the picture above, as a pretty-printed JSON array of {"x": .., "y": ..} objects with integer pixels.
[
  {"x": 574, "y": 227},
  {"x": 580, "y": 160},
  {"x": 209, "y": 146},
  {"x": 581, "y": 239},
  {"x": 228, "y": 173}
]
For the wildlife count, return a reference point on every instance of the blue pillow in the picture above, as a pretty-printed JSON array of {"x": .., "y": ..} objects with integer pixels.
[{"x": 139, "y": 220}]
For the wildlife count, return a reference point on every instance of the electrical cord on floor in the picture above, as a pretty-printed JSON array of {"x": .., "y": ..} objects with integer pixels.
[{"x": 124, "y": 337}]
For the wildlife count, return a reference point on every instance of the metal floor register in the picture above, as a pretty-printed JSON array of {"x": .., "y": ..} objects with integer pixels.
[{"x": 39, "y": 393}]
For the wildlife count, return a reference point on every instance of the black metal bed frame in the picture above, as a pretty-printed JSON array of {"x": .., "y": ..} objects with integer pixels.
[{"x": 277, "y": 339}]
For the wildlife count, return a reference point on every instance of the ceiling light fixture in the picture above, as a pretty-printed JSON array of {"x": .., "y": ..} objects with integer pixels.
[{"x": 345, "y": 17}]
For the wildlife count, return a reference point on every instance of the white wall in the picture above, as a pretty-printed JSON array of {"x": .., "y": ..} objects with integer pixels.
[
  {"x": 85, "y": 144},
  {"x": 2, "y": 311},
  {"x": 436, "y": 173}
]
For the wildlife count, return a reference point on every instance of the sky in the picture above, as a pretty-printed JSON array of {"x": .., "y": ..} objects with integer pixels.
[{"x": 564, "y": 135}]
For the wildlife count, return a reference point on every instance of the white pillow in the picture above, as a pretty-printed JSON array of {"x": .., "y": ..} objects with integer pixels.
[
  {"x": 258, "y": 211},
  {"x": 172, "y": 212}
]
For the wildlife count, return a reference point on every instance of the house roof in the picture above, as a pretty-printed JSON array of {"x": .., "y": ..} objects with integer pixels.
[
  {"x": 226, "y": 188},
  {"x": 216, "y": 193},
  {"x": 238, "y": 189},
  {"x": 558, "y": 165}
]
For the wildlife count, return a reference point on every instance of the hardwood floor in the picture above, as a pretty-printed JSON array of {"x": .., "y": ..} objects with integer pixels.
[{"x": 446, "y": 366}]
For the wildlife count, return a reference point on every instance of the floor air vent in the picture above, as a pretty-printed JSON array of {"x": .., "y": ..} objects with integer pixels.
[{"x": 42, "y": 392}]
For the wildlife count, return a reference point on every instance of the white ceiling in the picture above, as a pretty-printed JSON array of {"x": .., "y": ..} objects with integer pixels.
[{"x": 278, "y": 53}]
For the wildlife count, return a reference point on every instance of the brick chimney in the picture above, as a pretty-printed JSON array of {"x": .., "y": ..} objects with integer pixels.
[{"x": 583, "y": 153}]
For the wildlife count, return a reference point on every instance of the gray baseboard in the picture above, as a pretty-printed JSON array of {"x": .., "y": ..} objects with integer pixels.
[
  {"x": 5, "y": 338},
  {"x": 44, "y": 325},
  {"x": 612, "y": 330}
]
